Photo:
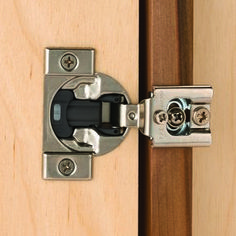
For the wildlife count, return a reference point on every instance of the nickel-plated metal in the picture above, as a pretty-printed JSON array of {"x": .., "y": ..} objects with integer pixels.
[
  {"x": 85, "y": 84},
  {"x": 173, "y": 116},
  {"x": 66, "y": 167},
  {"x": 92, "y": 89},
  {"x": 176, "y": 117},
  {"x": 163, "y": 116},
  {"x": 190, "y": 97},
  {"x": 69, "y": 62},
  {"x": 132, "y": 115},
  {"x": 193, "y": 125},
  {"x": 54, "y": 65},
  {"x": 82, "y": 166},
  {"x": 84, "y": 87},
  {"x": 201, "y": 116},
  {"x": 160, "y": 117}
]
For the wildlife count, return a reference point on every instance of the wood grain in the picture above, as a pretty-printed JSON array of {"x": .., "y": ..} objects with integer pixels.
[
  {"x": 214, "y": 168},
  {"x": 30, "y": 206},
  {"x": 165, "y": 173}
]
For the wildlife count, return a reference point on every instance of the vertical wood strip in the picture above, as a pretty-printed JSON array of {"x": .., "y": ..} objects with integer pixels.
[{"x": 166, "y": 52}]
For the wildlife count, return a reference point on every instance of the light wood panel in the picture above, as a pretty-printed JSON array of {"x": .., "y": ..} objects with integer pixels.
[
  {"x": 29, "y": 206},
  {"x": 214, "y": 168}
]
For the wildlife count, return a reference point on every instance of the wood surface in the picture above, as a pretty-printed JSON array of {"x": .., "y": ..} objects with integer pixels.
[
  {"x": 30, "y": 206},
  {"x": 214, "y": 168},
  {"x": 165, "y": 173}
]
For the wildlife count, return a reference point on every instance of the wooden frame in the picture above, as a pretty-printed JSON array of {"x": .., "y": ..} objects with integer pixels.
[{"x": 166, "y": 53}]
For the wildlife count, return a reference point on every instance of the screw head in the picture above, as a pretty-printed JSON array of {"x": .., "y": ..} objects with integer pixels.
[
  {"x": 66, "y": 167},
  {"x": 176, "y": 117},
  {"x": 132, "y": 115},
  {"x": 201, "y": 116},
  {"x": 68, "y": 62},
  {"x": 160, "y": 117}
]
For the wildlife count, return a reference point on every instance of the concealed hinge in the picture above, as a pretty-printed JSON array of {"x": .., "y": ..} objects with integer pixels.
[{"x": 88, "y": 114}]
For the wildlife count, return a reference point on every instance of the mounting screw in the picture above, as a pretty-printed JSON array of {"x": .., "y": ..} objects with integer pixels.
[
  {"x": 176, "y": 117},
  {"x": 201, "y": 116},
  {"x": 66, "y": 167},
  {"x": 68, "y": 62},
  {"x": 132, "y": 115},
  {"x": 160, "y": 117}
]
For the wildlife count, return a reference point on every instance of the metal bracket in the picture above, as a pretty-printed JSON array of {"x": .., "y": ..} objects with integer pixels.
[
  {"x": 73, "y": 134},
  {"x": 73, "y": 166},
  {"x": 173, "y": 116},
  {"x": 73, "y": 70}
]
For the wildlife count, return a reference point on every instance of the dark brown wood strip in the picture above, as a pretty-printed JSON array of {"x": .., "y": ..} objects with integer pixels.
[{"x": 166, "y": 58}]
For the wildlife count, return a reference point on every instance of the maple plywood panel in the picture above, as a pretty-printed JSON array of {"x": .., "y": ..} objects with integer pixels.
[
  {"x": 106, "y": 205},
  {"x": 214, "y": 168}
]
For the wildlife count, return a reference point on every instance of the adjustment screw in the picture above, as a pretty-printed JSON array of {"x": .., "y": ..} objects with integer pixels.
[
  {"x": 160, "y": 117},
  {"x": 68, "y": 62},
  {"x": 66, "y": 167},
  {"x": 176, "y": 117},
  {"x": 201, "y": 116}
]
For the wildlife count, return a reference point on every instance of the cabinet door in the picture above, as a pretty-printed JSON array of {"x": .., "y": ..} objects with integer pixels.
[
  {"x": 106, "y": 205},
  {"x": 214, "y": 168}
]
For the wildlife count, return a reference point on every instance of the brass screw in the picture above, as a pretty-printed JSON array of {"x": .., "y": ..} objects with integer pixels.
[
  {"x": 66, "y": 167},
  {"x": 201, "y": 116},
  {"x": 68, "y": 62}
]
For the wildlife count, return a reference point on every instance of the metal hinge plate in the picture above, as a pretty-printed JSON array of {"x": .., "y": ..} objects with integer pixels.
[
  {"x": 173, "y": 116},
  {"x": 88, "y": 114}
]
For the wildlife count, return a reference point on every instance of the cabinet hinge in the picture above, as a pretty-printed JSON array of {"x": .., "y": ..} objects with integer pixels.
[{"x": 89, "y": 114}]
